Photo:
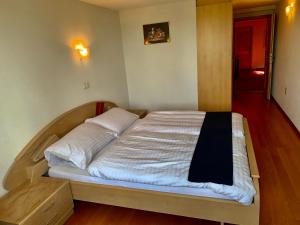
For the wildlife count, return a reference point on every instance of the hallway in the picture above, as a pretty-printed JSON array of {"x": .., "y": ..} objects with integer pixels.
[{"x": 251, "y": 47}]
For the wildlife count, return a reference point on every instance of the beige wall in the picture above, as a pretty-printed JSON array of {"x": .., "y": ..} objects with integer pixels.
[
  {"x": 161, "y": 76},
  {"x": 287, "y": 61},
  {"x": 39, "y": 79}
]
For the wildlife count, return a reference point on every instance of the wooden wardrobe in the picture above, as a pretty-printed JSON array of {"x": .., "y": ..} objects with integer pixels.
[{"x": 214, "y": 41}]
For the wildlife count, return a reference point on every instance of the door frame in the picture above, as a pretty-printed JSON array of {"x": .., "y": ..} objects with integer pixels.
[{"x": 257, "y": 12}]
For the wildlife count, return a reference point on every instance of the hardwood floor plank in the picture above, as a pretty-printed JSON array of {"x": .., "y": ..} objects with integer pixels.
[{"x": 277, "y": 149}]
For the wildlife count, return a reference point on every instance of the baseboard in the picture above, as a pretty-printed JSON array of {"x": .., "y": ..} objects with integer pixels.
[{"x": 286, "y": 116}]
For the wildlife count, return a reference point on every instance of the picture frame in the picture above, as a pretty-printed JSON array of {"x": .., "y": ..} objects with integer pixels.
[{"x": 156, "y": 33}]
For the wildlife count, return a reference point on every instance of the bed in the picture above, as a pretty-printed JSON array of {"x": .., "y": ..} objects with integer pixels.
[{"x": 138, "y": 192}]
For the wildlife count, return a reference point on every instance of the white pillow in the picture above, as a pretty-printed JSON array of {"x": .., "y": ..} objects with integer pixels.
[
  {"x": 115, "y": 119},
  {"x": 79, "y": 146}
]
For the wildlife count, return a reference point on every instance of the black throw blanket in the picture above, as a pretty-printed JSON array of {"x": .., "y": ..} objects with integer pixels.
[{"x": 212, "y": 160}]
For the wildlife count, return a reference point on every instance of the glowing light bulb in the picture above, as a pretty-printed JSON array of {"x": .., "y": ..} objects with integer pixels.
[
  {"x": 82, "y": 50},
  {"x": 79, "y": 47},
  {"x": 288, "y": 10}
]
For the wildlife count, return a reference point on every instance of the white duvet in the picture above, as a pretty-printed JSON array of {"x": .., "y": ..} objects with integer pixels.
[{"x": 158, "y": 150}]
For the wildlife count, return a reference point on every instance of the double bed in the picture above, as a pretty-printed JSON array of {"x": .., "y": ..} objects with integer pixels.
[{"x": 146, "y": 167}]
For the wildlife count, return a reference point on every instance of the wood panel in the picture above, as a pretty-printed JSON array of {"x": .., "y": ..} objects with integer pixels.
[
  {"x": 253, "y": 12},
  {"x": 240, "y": 4},
  {"x": 214, "y": 37},
  {"x": 208, "y": 2},
  {"x": 140, "y": 112},
  {"x": 42, "y": 202},
  {"x": 253, "y": 3},
  {"x": 251, "y": 155},
  {"x": 169, "y": 203}
]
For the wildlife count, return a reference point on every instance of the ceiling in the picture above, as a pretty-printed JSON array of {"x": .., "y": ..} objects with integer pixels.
[{"x": 128, "y": 4}]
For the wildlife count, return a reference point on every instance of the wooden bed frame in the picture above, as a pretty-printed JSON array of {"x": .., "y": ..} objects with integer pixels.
[{"x": 30, "y": 165}]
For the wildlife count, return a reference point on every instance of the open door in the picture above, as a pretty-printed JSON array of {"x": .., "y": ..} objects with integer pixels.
[
  {"x": 253, "y": 64},
  {"x": 271, "y": 55}
]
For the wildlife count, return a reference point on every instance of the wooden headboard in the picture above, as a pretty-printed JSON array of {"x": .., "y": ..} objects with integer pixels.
[{"x": 30, "y": 162}]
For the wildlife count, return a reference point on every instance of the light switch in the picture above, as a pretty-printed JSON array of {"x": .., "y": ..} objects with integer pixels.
[{"x": 86, "y": 85}]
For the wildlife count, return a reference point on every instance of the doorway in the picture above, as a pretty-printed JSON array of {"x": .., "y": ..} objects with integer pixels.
[{"x": 252, "y": 48}]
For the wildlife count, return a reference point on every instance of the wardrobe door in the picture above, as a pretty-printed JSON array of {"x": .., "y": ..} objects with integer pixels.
[{"x": 214, "y": 37}]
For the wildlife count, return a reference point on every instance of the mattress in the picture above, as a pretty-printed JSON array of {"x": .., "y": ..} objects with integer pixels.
[{"x": 76, "y": 174}]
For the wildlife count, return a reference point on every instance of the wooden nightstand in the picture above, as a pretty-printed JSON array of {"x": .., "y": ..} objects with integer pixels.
[
  {"x": 47, "y": 201},
  {"x": 140, "y": 112}
]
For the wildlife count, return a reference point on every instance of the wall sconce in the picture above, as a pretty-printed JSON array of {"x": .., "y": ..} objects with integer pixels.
[
  {"x": 290, "y": 8},
  {"x": 82, "y": 50}
]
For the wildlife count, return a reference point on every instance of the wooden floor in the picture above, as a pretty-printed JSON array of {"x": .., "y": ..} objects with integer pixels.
[
  {"x": 277, "y": 148},
  {"x": 248, "y": 80}
]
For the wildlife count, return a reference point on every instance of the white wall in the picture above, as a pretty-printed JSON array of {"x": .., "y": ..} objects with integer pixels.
[
  {"x": 161, "y": 76},
  {"x": 287, "y": 72},
  {"x": 39, "y": 79}
]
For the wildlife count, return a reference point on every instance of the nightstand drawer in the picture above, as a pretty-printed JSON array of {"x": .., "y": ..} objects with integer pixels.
[
  {"x": 43, "y": 215},
  {"x": 47, "y": 201},
  {"x": 53, "y": 209},
  {"x": 64, "y": 203}
]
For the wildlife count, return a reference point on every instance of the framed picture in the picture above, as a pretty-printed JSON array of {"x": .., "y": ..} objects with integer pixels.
[{"x": 156, "y": 33}]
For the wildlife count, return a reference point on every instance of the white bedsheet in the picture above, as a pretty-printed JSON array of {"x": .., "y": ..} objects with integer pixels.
[
  {"x": 158, "y": 151},
  {"x": 76, "y": 174}
]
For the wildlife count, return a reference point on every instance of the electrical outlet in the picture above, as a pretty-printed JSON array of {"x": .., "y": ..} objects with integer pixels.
[
  {"x": 285, "y": 91},
  {"x": 86, "y": 85}
]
